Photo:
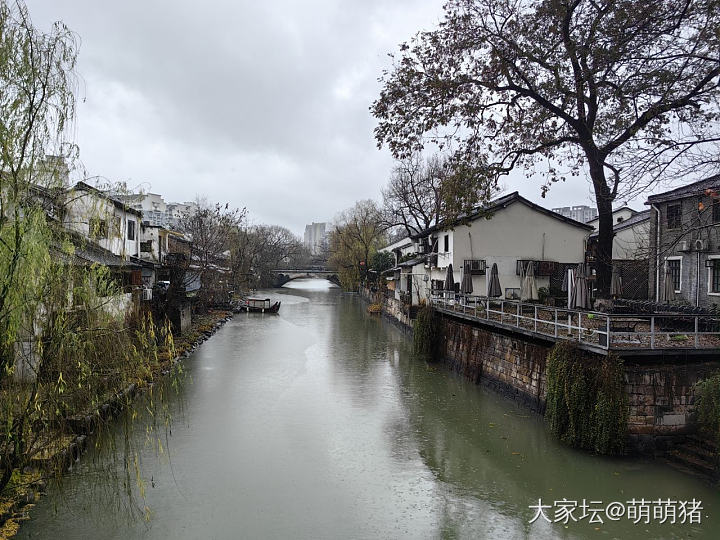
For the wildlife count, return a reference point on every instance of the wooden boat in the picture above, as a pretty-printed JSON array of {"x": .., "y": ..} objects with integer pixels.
[{"x": 258, "y": 305}]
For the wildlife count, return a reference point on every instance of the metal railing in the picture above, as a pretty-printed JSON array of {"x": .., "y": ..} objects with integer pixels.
[{"x": 593, "y": 329}]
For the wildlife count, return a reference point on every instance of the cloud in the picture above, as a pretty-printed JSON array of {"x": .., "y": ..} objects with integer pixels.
[{"x": 260, "y": 104}]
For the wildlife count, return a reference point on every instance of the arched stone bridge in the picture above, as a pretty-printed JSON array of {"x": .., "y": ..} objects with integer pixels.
[{"x": 282, "y": 276}]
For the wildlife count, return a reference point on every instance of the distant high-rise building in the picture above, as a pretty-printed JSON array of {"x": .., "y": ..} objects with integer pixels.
[
  {"x": 316, "y": 238},
  {"x": 583, "y": 213},
  {"x": 156, "y": 211}
]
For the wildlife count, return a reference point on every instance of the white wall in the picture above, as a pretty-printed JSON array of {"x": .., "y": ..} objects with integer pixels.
[
  {"x": 632, "y": 242},
  {"x": 158, "y": 237},
  {"x": 82, "y": 206},
  {"x": 515, "y": 232}
]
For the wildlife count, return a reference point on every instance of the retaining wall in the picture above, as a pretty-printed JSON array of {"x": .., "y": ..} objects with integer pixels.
[{"x": 659, "y": 389}]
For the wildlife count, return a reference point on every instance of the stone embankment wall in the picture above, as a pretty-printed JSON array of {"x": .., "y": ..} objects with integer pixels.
[
  {"x": 660, "y": 390},
  {"x": 507, "y": 363},
  {"x": 661, "y": 398},
  {"x": 392, "y": 308}
]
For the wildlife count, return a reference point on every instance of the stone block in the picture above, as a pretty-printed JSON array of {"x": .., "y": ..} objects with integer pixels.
[{"x": 673, "y": 419}]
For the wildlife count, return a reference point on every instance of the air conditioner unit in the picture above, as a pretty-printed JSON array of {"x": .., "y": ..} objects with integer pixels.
[
  {"x": 701, "y": 245},
  {"x": 147, "y": 294},
  {"x": 684, "y": 246}
]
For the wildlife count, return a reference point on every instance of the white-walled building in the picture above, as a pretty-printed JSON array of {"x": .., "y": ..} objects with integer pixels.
[
  {"x": 409, "y": 278},
  {"x": 510, "y": 231},
  {"x": 631, "y": 236},
  {"x": 103, "y": 219},
  {"x": 618, "y": 216}
]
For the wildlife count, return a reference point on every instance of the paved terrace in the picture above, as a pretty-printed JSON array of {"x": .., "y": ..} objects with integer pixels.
[{"x": 629, "y": 334}]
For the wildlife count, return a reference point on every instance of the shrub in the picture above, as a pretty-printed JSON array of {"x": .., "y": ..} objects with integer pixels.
[
  {"x": 586, "y": 403},
  {"x": 426, "y": 334}
]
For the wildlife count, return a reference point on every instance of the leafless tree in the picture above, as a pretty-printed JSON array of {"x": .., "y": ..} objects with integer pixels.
[{"x": 624, "y": 92}]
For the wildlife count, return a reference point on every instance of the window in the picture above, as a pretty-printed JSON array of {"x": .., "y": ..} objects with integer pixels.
[
  {"x": 131, "y": 229},
  {"x": 409, "y": 283},
  {"x": 674, "y": 216},
  {"x": 674, "y": 265},
  {"x": 446, "y": 241},
  {"x": 540, "y": 268},
  {"x": 146, "y": 247},
  {"x": 117, "y": 226},
  {"x": 475, "y": 267},
  {"x": 714, "y": 275},
  {"x": 98, "y": 228},
  {"x": 716, "y": 211}
]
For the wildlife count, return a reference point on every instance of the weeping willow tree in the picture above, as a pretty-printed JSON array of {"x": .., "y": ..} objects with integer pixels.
[
  {"x": 64, "y": 348},
  {"x": 356, "y": 236}
]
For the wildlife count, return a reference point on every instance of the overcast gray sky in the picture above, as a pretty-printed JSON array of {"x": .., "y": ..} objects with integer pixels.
[{"x": 259, "y": 104}]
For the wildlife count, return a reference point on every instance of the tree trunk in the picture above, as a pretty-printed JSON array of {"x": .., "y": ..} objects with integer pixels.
[{"x": 603, "y": 253}]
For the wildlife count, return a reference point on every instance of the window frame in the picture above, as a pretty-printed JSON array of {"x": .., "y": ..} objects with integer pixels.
[
  {"x": 131, "y": 228},
  {"x": 98, "y": 228},
  {"x": 479, "y": 269},
  {"x": 679, "y": 259},
  {"x": 713, "y": 275},
  {"x": 673, "y": 226}
]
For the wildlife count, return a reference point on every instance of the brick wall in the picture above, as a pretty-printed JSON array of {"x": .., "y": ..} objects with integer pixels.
[
  {"x": 693, "y": 273},
  {"x": 661, "y": 400}
]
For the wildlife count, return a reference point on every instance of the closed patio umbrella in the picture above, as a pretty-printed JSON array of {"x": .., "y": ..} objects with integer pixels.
[
  {"x": 523, "y": 292},
  {"x": 669, "y": 289},
  {"x": 580, "y": 290},
  {"x": 494, "y": 289},
  {"x": 565, "y": 287},
  {"x": 467, "y": 285},
  {"x": 450, "y": 279},
  {"x": 450, "y": 282},
  {"x": 529, "y": 288},
  {"x": 615, "y": 282}
]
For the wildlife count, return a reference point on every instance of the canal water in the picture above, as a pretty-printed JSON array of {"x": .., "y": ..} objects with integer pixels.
[{"x": 319, "y": 423}]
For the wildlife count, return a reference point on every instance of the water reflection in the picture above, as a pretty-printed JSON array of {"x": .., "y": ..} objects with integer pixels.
[
  {"x": 310, "y": 284},
  {"x": 319, "y": 423}
]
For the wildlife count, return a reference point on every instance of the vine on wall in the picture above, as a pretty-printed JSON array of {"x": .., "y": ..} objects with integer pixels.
[
  {"x": 707, "y": 406},
  {"x": 586, "y": 403},
  {"x": 426, "y": 332}
]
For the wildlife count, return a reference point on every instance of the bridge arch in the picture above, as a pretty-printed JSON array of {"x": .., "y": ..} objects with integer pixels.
[{"x": 284, "y": 276}]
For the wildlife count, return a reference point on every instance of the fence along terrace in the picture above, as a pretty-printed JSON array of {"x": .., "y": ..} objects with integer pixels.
[{"x": 633, "y": 333}]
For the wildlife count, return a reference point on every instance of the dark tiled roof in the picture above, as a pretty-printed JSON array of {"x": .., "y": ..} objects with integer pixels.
[
  {"x": 499, "y": 204},
  {"x": 117, "y": 202},
  {"x": 412, "y": 262},
  {"x": 90, "y": 253},
  {"x": 696, "y": 188},
  {"x": 87, "y": 252},
  {"x": 639, "y": 217},
  {"x": 615, "y": 210}
]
